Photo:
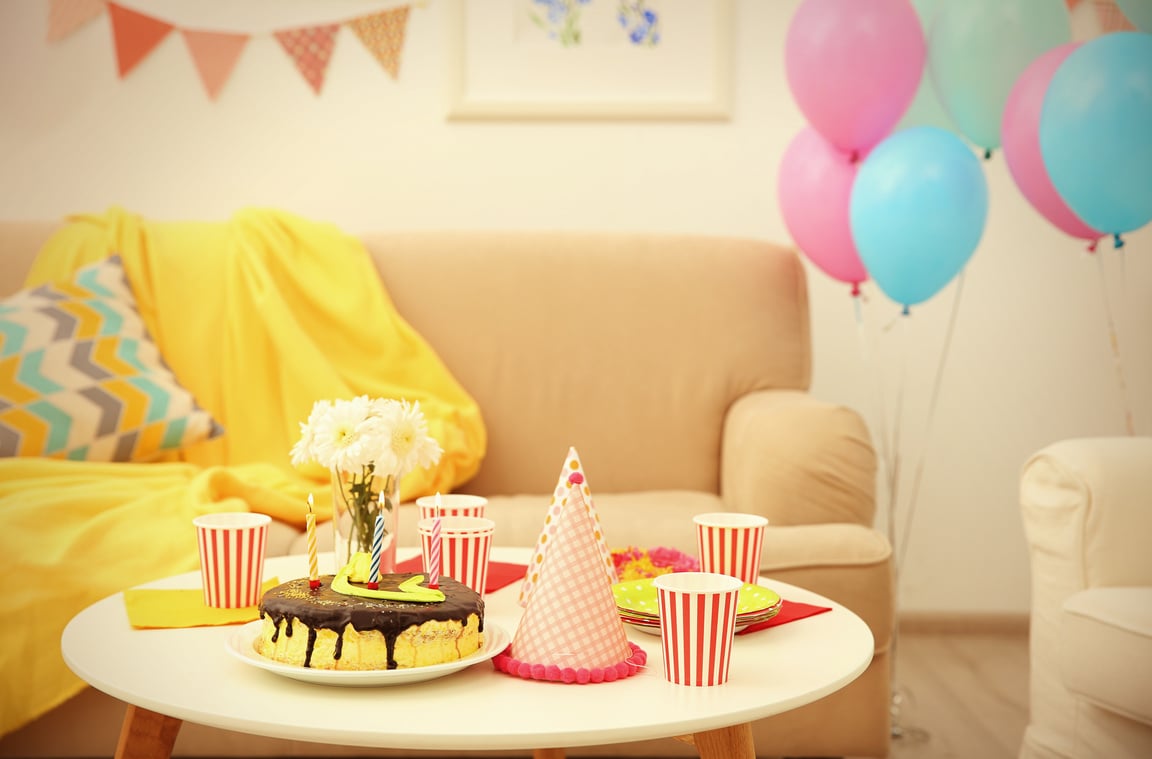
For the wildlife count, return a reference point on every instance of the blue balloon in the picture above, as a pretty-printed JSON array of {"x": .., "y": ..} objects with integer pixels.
[
  {"x": 917, "y": 211},
  {"x": 1096, "y": 131}
]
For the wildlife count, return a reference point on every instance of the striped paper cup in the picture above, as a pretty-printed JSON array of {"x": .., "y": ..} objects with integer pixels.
[
  {"x": 465, "y": 544},
  {"x": 729, "y": 543},
  {"x": 697, "y": 624},
  {"x": 452, "y": 505},
  {"x": 232, "y": 557}
]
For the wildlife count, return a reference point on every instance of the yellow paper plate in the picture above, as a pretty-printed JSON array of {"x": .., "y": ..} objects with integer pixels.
[{"x": 639, "y": 597}]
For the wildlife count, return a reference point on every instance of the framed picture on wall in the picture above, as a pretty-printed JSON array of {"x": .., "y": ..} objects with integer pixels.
[{"x": 590, "y": 59}]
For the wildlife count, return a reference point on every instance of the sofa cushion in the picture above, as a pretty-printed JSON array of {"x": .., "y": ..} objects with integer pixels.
[
  {"x": 1106, "y": 649},
  {"x": 80, "y": 378}
]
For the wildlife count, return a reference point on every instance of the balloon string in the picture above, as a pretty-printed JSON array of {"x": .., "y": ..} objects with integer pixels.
[
  {"x": 880, "y": 415},
  {"x": 932, "y": 404},
  {"x": 1114, "y": 340},
  {"x": 898, "y": 423}
]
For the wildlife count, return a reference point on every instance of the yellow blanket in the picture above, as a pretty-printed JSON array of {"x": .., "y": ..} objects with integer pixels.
[{"x": 258, "y": 317}]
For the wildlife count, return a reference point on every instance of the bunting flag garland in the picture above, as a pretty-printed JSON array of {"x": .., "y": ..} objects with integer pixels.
[
  {"x": 1111, "y": 18},
  {"x": 310, "y": 48},
  {"x": 136, "y": 36},
  {"x": 66, "y": 16},
  {"x": 1108, "y": 15},
  {"x": 383, "y": 35},
  {"x": 215, "y": 53}
]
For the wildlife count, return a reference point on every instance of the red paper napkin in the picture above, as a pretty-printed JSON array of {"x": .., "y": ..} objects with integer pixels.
[
  {"x": 500, "y": 573},
  {"x": 790, "y": 611}
]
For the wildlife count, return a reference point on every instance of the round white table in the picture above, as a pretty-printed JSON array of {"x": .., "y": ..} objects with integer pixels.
[{"x": 172, "y": 675}]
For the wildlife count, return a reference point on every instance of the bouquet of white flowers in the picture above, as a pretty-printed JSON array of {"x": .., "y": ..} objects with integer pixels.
[{"x": 367, "y": 444}]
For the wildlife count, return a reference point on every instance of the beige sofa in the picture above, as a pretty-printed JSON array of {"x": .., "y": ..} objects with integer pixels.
[
  {"x": 678, "y": 367},
  {"x": 1085, "y": 504}
]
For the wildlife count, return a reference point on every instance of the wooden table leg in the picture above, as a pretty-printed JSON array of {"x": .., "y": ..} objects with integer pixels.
[
  {"x": 733, "y": 742},
  {"x": 547, "y": 753},
  {"x": 146, "y": 735}
]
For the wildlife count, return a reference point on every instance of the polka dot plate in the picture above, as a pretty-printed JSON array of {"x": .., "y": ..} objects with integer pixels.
[{"x": 637, "y": 599}]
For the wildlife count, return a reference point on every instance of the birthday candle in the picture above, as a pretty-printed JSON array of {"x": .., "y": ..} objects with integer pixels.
[
  {"x": 377, "y": 545},
  {"x": 313, "y": 565},
  {"x": 434, "y": 554}
]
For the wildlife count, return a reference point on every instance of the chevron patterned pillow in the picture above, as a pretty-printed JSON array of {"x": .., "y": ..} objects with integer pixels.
[{"x": 81, "y": 379}]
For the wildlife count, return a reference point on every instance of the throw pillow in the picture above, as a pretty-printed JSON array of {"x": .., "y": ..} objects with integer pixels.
[{"x": 81, "y": 379}]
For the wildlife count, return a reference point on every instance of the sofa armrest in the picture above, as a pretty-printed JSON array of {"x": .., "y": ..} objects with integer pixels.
[
  {"x": 797, "y": 460},
  {"x": 848, "y": 563},
  {"x": 1084, "y": 505}
]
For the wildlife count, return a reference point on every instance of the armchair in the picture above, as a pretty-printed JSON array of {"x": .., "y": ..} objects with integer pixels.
[{"x": 1087, "y": 510}]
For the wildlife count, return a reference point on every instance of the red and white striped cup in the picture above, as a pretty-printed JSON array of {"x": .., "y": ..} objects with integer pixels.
[
  {"x": 452, "y": 505},
  {"x": 465, "y": 544},
  {"x": 232, "y": 557},
  {"x": 697, "y": 625},
  {"x": 729, "y": 543}
]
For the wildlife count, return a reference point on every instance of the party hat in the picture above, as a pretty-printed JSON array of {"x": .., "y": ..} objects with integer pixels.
[
  {"x": 572, "y": 473},
  {"x": 571, "y": 631}
]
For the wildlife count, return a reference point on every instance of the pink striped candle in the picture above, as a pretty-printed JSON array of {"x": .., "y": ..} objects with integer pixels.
[
  {"x": 232, "y": 557},
  {"x": 730, "y": 543},
  {"x": 697, "y": 624},
  {"x": 433, "y": 567},
  {"x": 465, "y": 545}
]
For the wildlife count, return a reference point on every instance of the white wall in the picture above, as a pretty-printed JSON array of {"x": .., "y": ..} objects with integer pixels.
[{"x": 1029, "y": 361}]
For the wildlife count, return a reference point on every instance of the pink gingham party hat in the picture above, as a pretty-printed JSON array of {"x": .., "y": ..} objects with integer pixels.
[
  {"x": 571, "y": 631},
  {"x": 572, "y": 473}
]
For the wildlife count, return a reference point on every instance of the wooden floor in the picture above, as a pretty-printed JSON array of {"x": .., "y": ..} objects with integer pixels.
[{"x": 963, "y": 694}]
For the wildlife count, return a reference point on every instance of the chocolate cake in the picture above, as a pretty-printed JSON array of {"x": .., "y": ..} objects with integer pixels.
[{"x": 326, "y": 629}]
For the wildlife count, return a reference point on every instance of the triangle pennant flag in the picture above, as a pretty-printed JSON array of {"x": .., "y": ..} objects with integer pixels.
[
  {"x": 135, "y": 36},
  {"x": 66, "y": 16},
  {"x": 572, "y": 473},
  {"x": 310, "y": 48},
  {"x": 1111, "y": 18},
  {"x": 215, "y": 55},
  {"x": 571, "y": 619},
  {"x": 383, "y": 34}
]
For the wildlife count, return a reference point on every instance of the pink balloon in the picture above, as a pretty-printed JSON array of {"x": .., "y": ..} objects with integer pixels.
[
  {"x": 854, "y": 66},
  {"x": 815, "y": 190},
  {"x": 1020, "y": 141}
]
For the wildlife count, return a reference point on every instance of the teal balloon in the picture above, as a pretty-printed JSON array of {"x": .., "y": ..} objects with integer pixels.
[
  {"x": 917, "y": 212},
  {"x": 1096, "y": 131},
  {"x": 977, "y": 49},
  {"x": 1139, "y": 12}
]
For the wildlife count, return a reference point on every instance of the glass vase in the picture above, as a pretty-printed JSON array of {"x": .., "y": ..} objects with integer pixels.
[{"x": 357, "y": 499}]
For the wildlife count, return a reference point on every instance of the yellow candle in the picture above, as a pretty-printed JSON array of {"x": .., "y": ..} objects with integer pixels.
[{"x": 313, "y": 564}]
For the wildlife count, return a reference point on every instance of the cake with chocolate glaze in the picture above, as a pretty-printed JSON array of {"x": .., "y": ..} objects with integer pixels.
[{"x": 342, "y": 625}]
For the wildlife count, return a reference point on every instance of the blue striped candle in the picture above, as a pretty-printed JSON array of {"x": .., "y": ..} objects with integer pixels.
[{"x": 377, "y": 546}]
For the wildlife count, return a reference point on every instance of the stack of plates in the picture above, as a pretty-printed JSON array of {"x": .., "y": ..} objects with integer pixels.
[{"x": 637, "y": 604}]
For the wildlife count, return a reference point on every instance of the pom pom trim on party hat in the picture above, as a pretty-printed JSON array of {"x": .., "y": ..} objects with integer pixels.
[{"x": 572, "y": 675}]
